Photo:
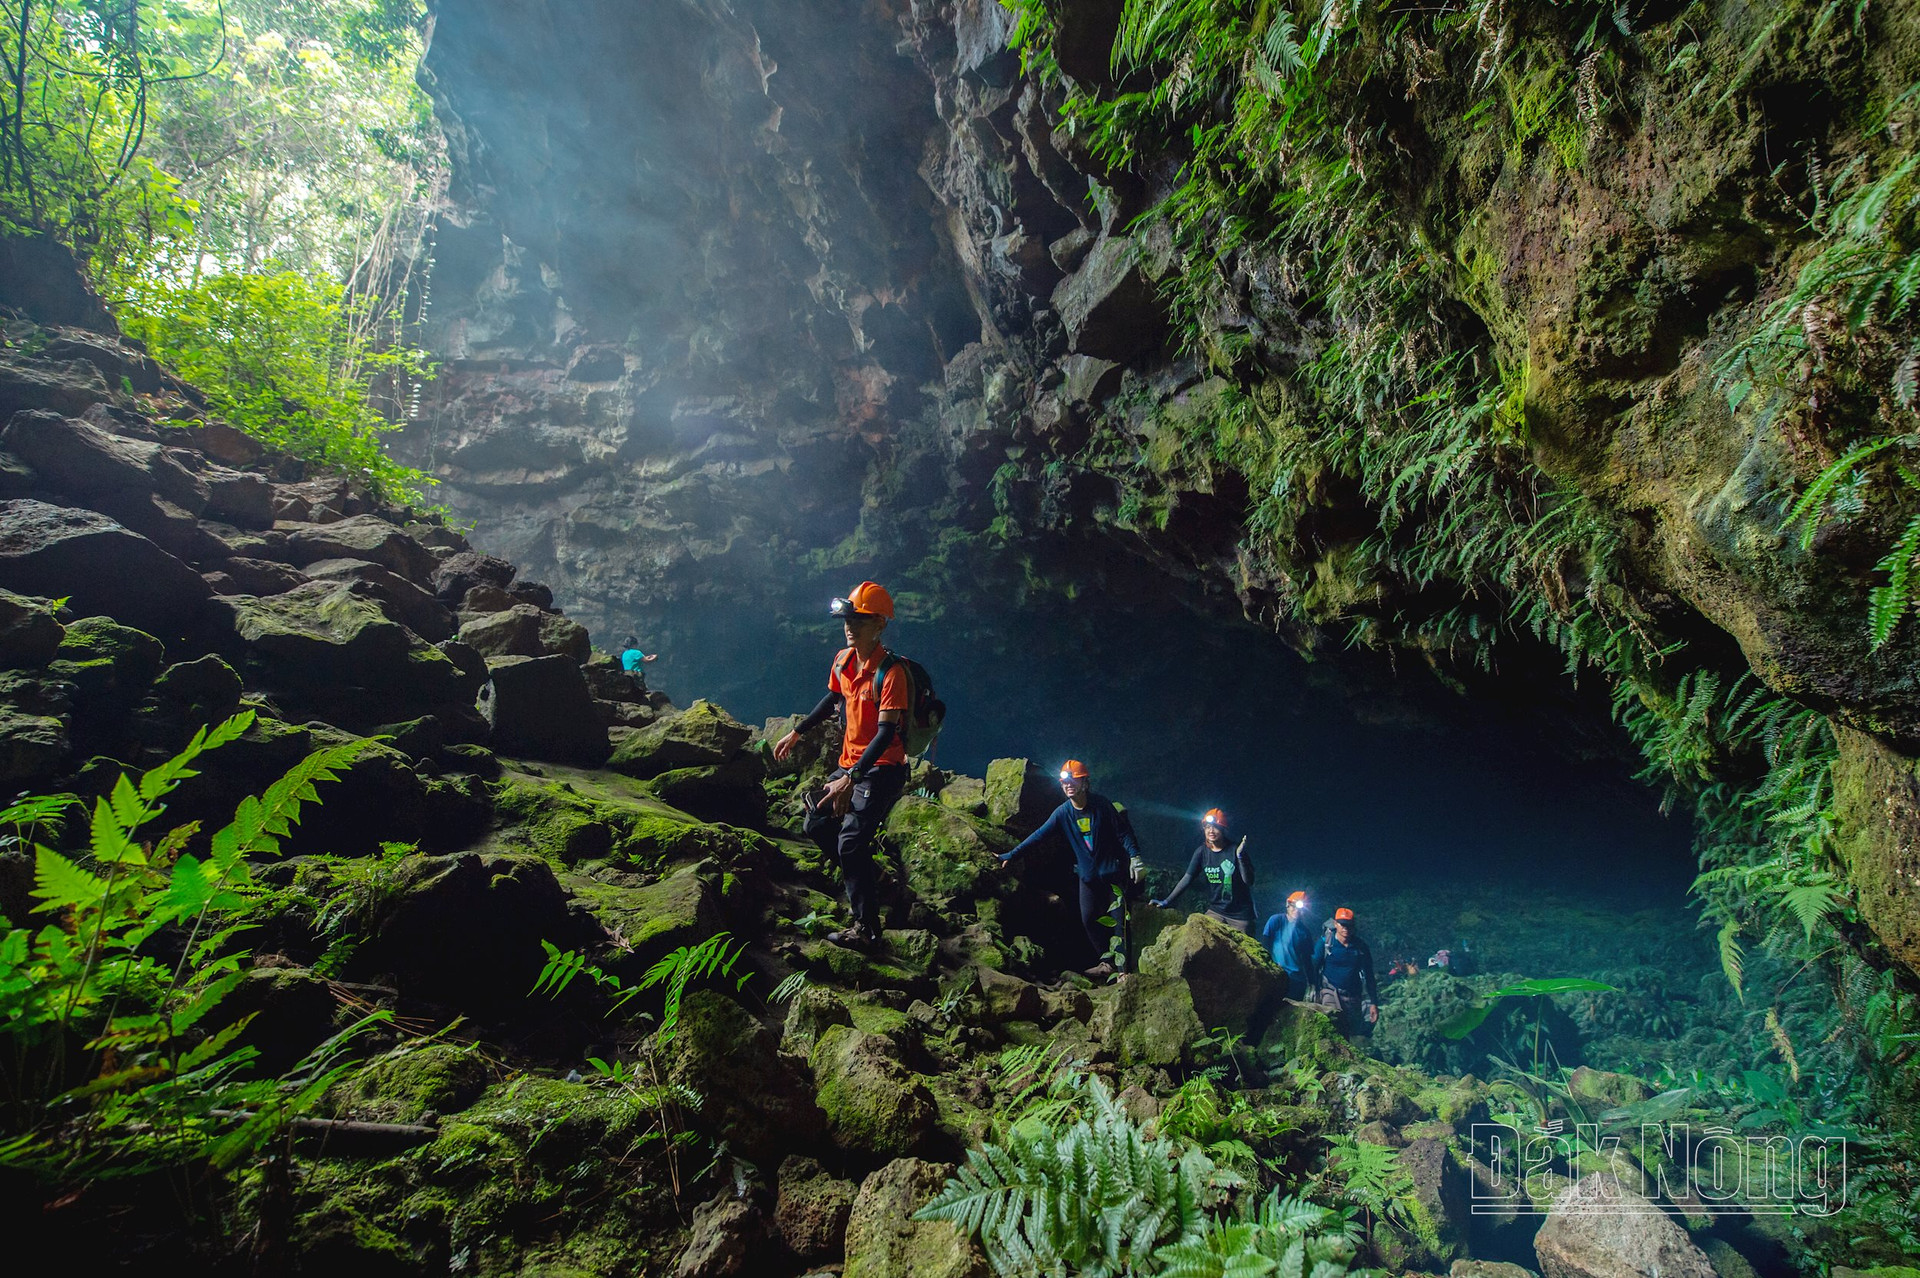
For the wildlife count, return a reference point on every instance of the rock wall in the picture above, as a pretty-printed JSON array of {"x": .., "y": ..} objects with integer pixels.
[{"x": 827, "y": 285}]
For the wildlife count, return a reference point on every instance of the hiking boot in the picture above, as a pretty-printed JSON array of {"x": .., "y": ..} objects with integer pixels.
[{"x": 857, "y": 937}]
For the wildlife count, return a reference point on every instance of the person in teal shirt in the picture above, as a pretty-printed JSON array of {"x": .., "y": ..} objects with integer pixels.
[{"x": 631, "y": 659}]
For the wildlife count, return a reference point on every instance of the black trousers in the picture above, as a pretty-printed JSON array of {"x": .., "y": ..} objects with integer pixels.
[
  {"x": 849, "y": 839},
  {"x": 1097, "y": 902}
]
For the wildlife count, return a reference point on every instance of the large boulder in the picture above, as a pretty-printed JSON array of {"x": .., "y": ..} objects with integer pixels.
[
  {"x": 885, "y": 1241},
  {"x": 34, "y": 741},
  {"x": 874, "y": 1104},
  {"x": 408, "y": 604},
  {"x": 1147, "y": 1020},
  {"x": 462, "y": 571},
  {"x": 750, "y": 1096},
  {"x": 1109, "y": 306},
  {"x": 539, "y": 708},
  {"x": 324, "y": 646},
  {"x": 360, "y": 537},
  {"x": 526, "y": 631},
  {"x": 811, "y": 1211},
  {"x": 1020, "y": 794},
  {"x": 1439, "y": 1200},
  {"x": 700, "y": 736},
  {"x": 944, "y": 852},
  {"x": 1597, "y": 1228},
  {"x": 1232, "y": 978},
  {"x": 97, "y": 564},
  {"x": 725, "y": 1231},
  {"x": 464, "y": 931},
  {"x": 81, "y": 460},
  {"x": 729, "y": 792}
]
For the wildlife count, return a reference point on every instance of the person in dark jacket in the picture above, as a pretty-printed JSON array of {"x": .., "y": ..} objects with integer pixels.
[
  {"x": 1226, "y": 872},
  {"x": 1105, "y": 854},
  {"x": 1343, "y": 965},
  {"x": 1292, "y": 937}
]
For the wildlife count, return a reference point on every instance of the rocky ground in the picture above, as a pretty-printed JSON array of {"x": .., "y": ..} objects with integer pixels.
[{"x": 787, "y": 1115}]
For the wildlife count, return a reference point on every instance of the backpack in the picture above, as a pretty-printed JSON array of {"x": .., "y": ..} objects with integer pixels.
[{"x": 926, "y": 713}]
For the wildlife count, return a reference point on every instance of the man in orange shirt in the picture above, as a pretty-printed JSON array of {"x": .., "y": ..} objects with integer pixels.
[{"x": 873, "y": 756}]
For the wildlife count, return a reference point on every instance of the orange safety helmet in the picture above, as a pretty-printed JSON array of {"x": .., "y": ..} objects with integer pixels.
[
  {"x": 1214, "y": 816},
  {"x": 1075, "y": 769},
  {"x": 1343, "y": 915},
  {"x": 869, "y": 599},
  {"x": 1296, "y": 896}
]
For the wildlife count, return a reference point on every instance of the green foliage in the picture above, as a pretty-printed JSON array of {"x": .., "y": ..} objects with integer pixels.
[
  {"x": 119, "y": 1062},
  {"x": 1369, "y": 1175},
  {"x": 714, "y": 957},
  {"x": 1092, "y": 1194},
  {"x": 277, "y": 357},
  {"x": 1475, "y": 1014}
]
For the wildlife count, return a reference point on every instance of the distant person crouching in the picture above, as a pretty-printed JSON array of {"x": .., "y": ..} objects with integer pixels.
[{"x": 632, "y": 659}]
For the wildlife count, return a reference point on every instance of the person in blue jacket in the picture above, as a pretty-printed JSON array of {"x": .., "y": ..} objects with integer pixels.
[
  {"x": 1343, "y": 964},
  {"x": 1292, "y": 937},
  {"x": 1105, "y": 854}
]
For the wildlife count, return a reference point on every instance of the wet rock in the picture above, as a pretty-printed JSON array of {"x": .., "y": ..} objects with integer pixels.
[
  {"x": 526, "y": 631},
  {"x": 1020, "y": 795},
  {"x": 812, "y": 1209},
  {"x": 883, "y": 1240},
  {"x": 29, "y": 632},
  {"x": 34, "y": 740},
  {"x": 224, "y": 541},
  {"x": 812, "y": 1013},
  {"x": 100, "y": 566},
  {"x": 1599, "y": 1229},
  {"x": 1471, "y": 1268},
  {"x": 185, "y": 696},
  {"x": 110, "y": 667},
  {"x": 539, "y": 708},
  {"x": 650, "y": 921},
  {"x": 700, "y": 736},
  {"x": 751, "y": 1096},
  {"x": 1877, "y": 799},
  {"x": 325, "y": 500},
  {"x": 1232, "y": 978},
  {"x": 360, "y": 537},
  {"x": 465, "y": 570},
  {"x": 873, "y": 1103},
  {"x": 407, "y": 603},
  {"x": 725, "y": 1230}
]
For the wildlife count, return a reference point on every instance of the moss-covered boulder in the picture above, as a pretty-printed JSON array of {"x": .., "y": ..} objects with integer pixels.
[
  {"x": 965, "y": 794},
  {"x": 726, "y": 792},
  {"x": 874, "y": 1104},
  {"x": 810, "y": 1214},
  {"x": 652, "y": 919},
  {"x": 751, "y": 1097},
  {"x": 1597, "y": 1087},
  {"x": 110, "y": 666},
  {"x": 1305, "y": 1035},
  {"x": 885, "y": 1241},
  {"x": 810, "y": 1014},
  {"x": 1005, "y": 997},
  {"x": 1437, "y": 1211},
  {"x": 945, "y": 853},
  {"x": 703, "y": 735},
  {"x": 1147, "y": 1020},
  {"x": 1233, "y": 980},
  {"x": 1876, "y": 793},
  {"x": 1599, "y": 1229},
  {"x": 1019, "y": 795},
  {"x": 413, "y": 1084}
]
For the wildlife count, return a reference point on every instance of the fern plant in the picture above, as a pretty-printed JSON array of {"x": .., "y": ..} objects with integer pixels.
[{"x": 119, "y": 1059}]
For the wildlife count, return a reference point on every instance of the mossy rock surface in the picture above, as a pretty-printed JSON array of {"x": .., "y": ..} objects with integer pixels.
[
  {"x": 944, "y": 852},
  {"x": 413, "y": 1085},
  {"x": 1303, "y": 1035},
  {"x": 873, "y": 1103},
  {"x": 1019, "y": 794},
  {"x": 702, "y": 735},
  {"x": 1232, "y": 980},
  {"x": 810, "y": 1214},
  {"x": 654, "y": 919},
  {"x": 1147, "y": 1020},
  {"x": 751, "y": 1097},
  {"x": 885, "y": 1241}
]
